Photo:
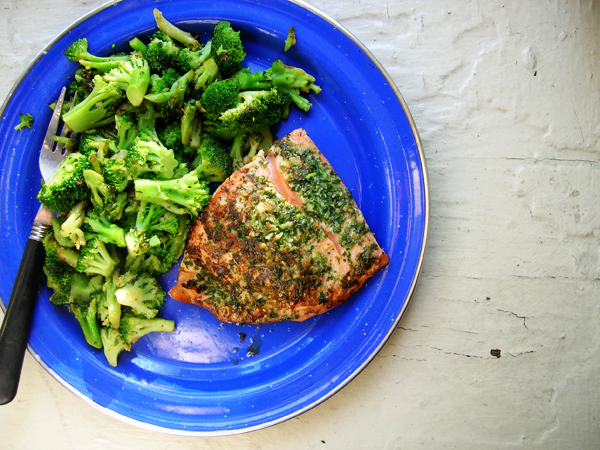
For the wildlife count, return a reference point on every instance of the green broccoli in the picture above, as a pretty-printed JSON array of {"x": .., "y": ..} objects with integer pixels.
[
  {"x": 97, "y": 258},
  {"x": 219, "y": 97},
  {"x": 164, "y": 81},
  {"x": 25, "y": 121},
  {"x": 63, "y": 241},
  {"x": 147, "y": 115},
  {"x": 173, "y": 31},
  {"x": 106, "y": 231},
  {"x": 97, "y": 109},
  {"x": 148, "y": 157},
  {"x": 152, "y": 218},
  {"x": 185, "y": 195},
  {"x": 78, "y": 52},
  {"x": 290, "y": 39},
  {"x": 213, "y": 162},
  {"x": 126, "y": 127},
  {"x": 113, "y": 344},
  {"x": 92, "y": 143},
  {"x": 256, "y": 110},
  {"x": 161, "y": 52},
  {"x": 109, "y": 309},
  {"x": 170, "y": 102},
  {"x": 66, "y": 186},
  {"x": 101, "y": 192},
  {"x": 82, "y": 84},
  {"x": 71, "y": 226},
  {"x": 205, "y": 74},
  {"x": 252, "y": 81},
  {"x": 246, "y": 145},
  {"x": 115, "y": 171},
  {"x": 58, "y": 272},
  {"x": 170, "y": 136},
  {"x": 131, "y": 76},
  {"x": 191, "y": 126},
  {"x": 133, "y": 328},
  {"x": 189, "y": 59},
  {"x": 140, "y": 292},
  {"x": 85, "y": 313},
  {"x": 227, "y": 49}
]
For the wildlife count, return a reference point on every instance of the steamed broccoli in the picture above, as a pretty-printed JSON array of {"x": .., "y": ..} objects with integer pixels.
[
  {"x": 152, "y": 218},
  {"x": 256, "y": 110},
  {"x": 97, "y": 258},
  {"x": 140, "y": 292},
  {"x": 205, "y": 74},
  {"x": 164, "y": 81},
  {"x": 58, "y": 272},
  {"x": 126, "y": 127},
  {"x": 189, "y": 59},
  {"x": 227, "y": 49},
  {"x": 148, "y": 157},
  {"x": 101, "y": 193},
  {"x": 133, "y": 328},
  {"x": 85, "y": 313},
  {"x": 78, "y": 52},
  {"x": 185, "y": 195},
  {"x": 91, "y": 144},
  {"x": 213, "y": 162},
  {"x": 170, "y": 136},
  {"x": 131, "y": 76},
  {"x": 97, "y": 109},
  {"x": 109, "y": 309},
  {"x": 113, "y": 344},
  {"x": 161, "y": 52},
  {"x": 290, "y": 39},
  {"x": 25, "y": 121},
  {"x": 173, "y": 31},
  {"x": 66, "y": 185},
  {"x": 71, "y": 226},
  {"x": 170, "y": 102},
  {"x": 82, "y": 84},
  {"x": 219, "y": 97},
  {"x": 106, "y": 231},
  {"x": 191, "y": 126},
  {"x": 246, "y": 145},
  {"x": 116, "y": 172}
]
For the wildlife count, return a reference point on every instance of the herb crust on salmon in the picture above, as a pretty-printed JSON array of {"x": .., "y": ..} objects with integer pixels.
[{"x": 281, "y": 239}]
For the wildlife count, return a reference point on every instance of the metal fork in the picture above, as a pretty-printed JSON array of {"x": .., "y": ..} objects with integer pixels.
[{"x": 17, "y": 321}]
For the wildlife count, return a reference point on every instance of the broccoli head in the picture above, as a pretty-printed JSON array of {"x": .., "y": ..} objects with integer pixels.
[
  {"x": 112, "y": 344},
  {"x": 131, "y": 76},
  {"x": 174, "y": 32},
  {"x": 219, "y": 97},
  {"x": 148, "y": 157},
  {"x": 97, "y": 258},
  {"x": 213, "y": 162},
  {"x": 66, "y": 186},
  {"x": 140, "y": 292},
  {"x": 25, "y": 121},
  {"x": 133, "y": 328},
  {"x": 227, "y": 49},
  {"x": 78, "y": 52},
  {"x": 85, "y": 313},
  {"x": 103, "y": 229},
  {"x": 256, "y": 110}
]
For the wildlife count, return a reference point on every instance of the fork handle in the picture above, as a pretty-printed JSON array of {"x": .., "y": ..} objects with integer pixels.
[{"x": 17, "y": 321}]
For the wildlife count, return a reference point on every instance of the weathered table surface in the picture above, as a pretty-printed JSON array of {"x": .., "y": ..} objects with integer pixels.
[{"x": 500, "y": 346}]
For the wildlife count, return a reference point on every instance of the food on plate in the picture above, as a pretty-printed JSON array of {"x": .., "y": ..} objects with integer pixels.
[
  {"x": 149, "y": 129},
  {"x": 280, "y": 239},
  {"x": 25, "y": 121}
]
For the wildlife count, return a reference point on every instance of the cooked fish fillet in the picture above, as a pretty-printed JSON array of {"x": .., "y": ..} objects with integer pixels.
[{"x": 281, "y": 239}]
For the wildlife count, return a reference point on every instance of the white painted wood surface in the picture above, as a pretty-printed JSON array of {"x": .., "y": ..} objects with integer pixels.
[{"x": 507, "y": 101}]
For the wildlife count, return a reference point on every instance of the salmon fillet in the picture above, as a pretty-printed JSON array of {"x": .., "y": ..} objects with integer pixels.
[{"x": 280, "y": 239}]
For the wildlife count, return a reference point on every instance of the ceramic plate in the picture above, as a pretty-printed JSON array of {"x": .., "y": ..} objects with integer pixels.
[{"x": 210, "y": 378}]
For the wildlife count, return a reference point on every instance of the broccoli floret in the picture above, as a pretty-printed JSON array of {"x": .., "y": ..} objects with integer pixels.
[
  {"x": 113, "y": 344},
  {"x": 97, "y": 109},
  {"x": 85, "y": 313},
  {"x": 174, "y": 32},
  {"x": 164, "y": 81},
  {"x": 148, "y": 157},
  {"x": 205, "y": 74},
  {"x": 185, "y": 195},
  {"x": 126, "y": 127},
  {"x": 160, "y": 258},
  {"x": 58, "y": 272},
  {"x": 25, "y": 121},
  {"x": 252, "y": 81},
  {"x": 290, "y": 39},
  {"x": 152, "y": 218},
  {"x": 109, "y": 309},
  {"x": 94, "y": 143},
  {"x": 189, "y": 59},
  {"x": 170, "y": 102},
  {"x": 140, "y": 292},
  {"x": 63, "y": 241},
  {"x": 97, "y": 258},
  {"x": 256, "y": 110},
  {"x": 82, "y": 85},
  {"x": 293, "y": 81},
  {"x": 106, "y": 231},
  {"x": 161, "y": 52},
  {"x": 133, "y": 328},
  {"x": 213, "y": 162},
  {"x": 216, "y": 129},
  {"x": 246, "y": 145},
  {"x": 137, "y": 45},
  {"x": 101, "y": 193},
  {"x": 66, "y": 186},
  {"x": 78, "y": 52},
  {"x": 227, "y": 49},
  {"x": 131, "y": 76},
  {"x": 190, "y": 127},
  {"x": 170, "y": 136},
  {"x": 71, "y": 226},
  {"x": 219, "y": 97},
  {"x": 116, "y": 172}
]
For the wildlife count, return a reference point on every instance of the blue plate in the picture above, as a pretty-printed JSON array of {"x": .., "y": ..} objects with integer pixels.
[{"x": 209, "y": 378}]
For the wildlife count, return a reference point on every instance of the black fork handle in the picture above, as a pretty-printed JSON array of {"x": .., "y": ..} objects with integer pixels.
[{"x": 17, "y": 321}]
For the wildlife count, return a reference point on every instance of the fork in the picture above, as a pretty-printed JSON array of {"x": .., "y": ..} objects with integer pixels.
[{"x": 17, "y": 320}]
